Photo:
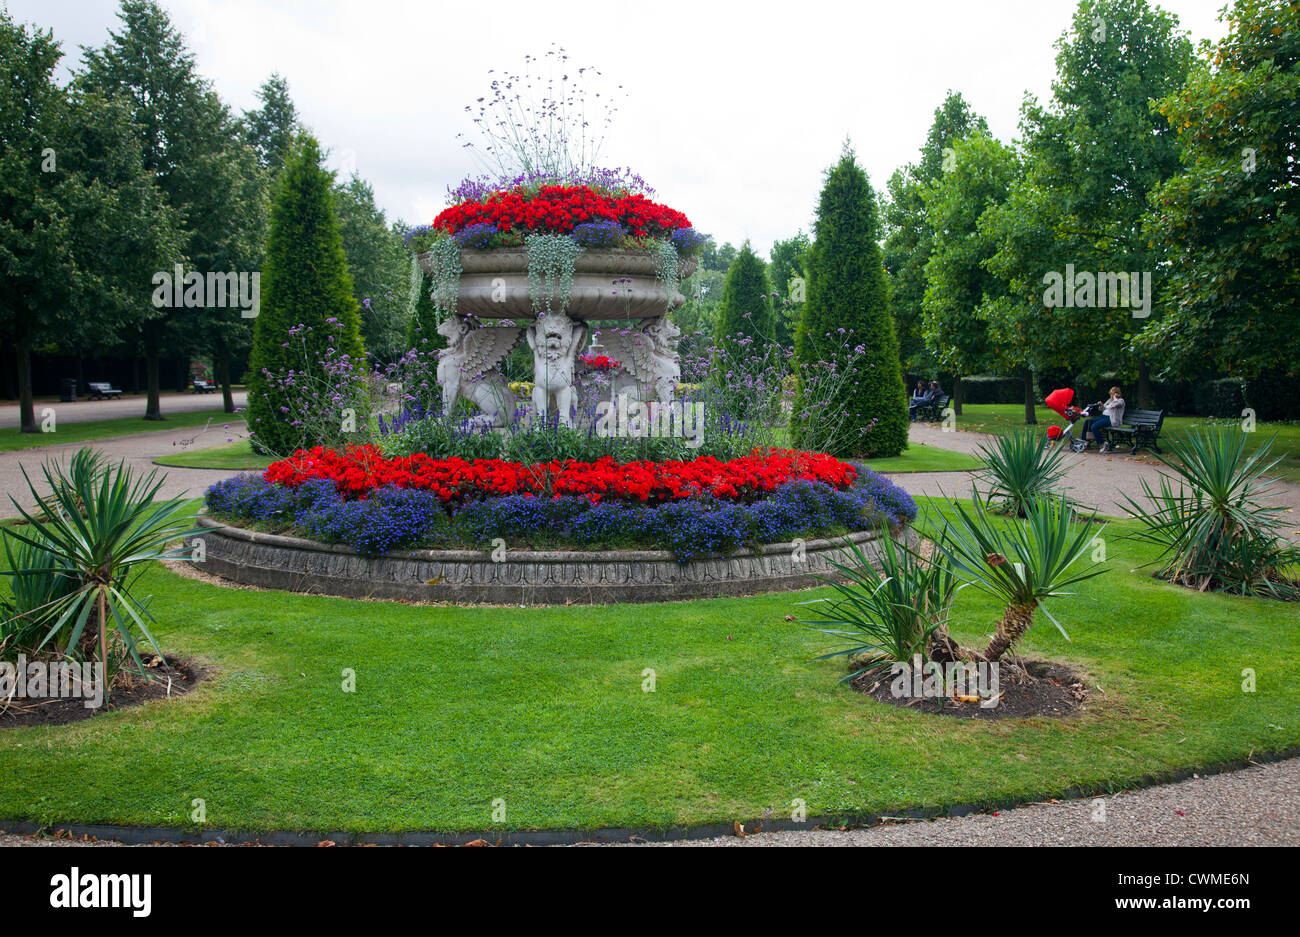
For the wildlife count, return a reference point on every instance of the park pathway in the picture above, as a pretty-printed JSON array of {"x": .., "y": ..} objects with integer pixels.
[
  {"x": 85, "y": 411},
  {"x": 1095, "y": 481},
  {"x": 138, "y": 450}
]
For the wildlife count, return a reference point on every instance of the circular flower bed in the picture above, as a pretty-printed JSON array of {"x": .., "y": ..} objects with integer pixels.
[{"x": 705, "y": 507}]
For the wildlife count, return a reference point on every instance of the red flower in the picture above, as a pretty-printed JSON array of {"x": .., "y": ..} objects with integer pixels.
[
  {"x": 558, "y": 209},
  {"x": 359, "y": 470}
]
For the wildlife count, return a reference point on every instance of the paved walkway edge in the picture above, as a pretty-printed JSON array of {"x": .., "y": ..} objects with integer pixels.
[{"x": 146, "y": 835}]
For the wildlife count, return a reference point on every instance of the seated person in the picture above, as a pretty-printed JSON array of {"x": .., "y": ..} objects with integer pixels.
[
  {"x": 918, "y": 398},
  {"x": 1112, "y": 415}
]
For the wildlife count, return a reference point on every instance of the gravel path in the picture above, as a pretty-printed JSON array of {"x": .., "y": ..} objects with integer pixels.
[
  {"x": 85, "y": 411},
  {"x": 1257, "y": 806},
  {"x": 1095, "y": 481},
  {"x": 139, "y": 450}
]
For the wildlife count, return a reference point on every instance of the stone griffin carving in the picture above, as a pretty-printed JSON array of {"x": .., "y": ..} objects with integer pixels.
[
  {"x": 649, "y": 368},
  {"x": 467, "y": 368},
  {"x": 555, "y": 340}
]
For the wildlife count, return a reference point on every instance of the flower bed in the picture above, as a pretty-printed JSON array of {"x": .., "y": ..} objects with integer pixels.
[
  {"x": 359, "y": 471},
  {"x": 704, "y": 507},
  {"x": 393, "y": 518}
]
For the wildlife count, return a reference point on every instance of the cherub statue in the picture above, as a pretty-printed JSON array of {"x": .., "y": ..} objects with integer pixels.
[
  {"x": 467, "y": 368},
  {"x": 648, "y": 366},
  {"x": 555, "y": 340}
]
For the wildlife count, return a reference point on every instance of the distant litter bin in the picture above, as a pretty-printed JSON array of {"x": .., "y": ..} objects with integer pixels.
[{"x": 69, "y": 392}]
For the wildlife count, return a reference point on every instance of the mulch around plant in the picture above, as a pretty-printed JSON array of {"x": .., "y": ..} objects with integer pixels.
[
  {"x": 130, "y": 690},
  {"x": 1027, "y": 688}
]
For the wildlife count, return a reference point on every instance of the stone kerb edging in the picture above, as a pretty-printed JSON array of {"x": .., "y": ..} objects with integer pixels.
[{"x": 521, "y": 577}]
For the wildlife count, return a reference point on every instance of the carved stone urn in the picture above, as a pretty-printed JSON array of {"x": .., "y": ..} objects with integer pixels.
[{"x": 607, "y": 284}]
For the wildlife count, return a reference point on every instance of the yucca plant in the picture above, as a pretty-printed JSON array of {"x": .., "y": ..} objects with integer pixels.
[
  {"x": 1216, "y": 531},
  {"x": 101, "y": 526},
  {"x": 1019, "y": 466},
  {"x": 38, "y": 582},
  {"x": 1020, "y": 563},
  {"x": 887, "y": 614}
]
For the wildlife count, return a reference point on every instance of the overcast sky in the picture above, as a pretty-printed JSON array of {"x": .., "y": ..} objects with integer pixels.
[{"x": 730, "y": 110}]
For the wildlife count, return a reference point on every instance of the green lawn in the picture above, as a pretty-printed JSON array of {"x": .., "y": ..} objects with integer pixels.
[
  {"x": 236, "y": 456},
  {"x": 1002, "y": 417},
  {"x": 543, "y": 707},
  {"x": 11, "y": 438},
  {"x": 921, "y": 458}
]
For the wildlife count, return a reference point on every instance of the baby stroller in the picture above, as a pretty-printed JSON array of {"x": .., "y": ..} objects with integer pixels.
[{"x": 1061, "y": 401}]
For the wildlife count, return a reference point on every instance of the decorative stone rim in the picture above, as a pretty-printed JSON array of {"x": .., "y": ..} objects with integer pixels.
[
  {"x": 546, "y": 577},
  {"x": 612, "y": 260}
]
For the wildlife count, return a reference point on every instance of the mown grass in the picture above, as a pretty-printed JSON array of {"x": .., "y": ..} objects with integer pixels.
[
  {"x": 1000, "y": 418},
  {"x": 918, "y": 457},
  {"x": 65, "y": 432},
  {"x": 237, "y": 456},
  {"x": 545, "y": 709}
]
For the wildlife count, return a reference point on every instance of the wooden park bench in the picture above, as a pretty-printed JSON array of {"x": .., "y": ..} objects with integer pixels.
[
  {"x": 102, "y": 390},
  {"x": 198, "y": 386},
  {"x": 934, "y": 409},
  {"x": 1141, "y": 428}
]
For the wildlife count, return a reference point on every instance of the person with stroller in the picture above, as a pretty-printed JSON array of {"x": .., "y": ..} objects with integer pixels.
[{"x": 1112, "y": 415}]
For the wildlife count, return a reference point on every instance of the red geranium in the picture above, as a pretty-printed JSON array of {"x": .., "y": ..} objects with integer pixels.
[
  {"x": 599, "y": 362},
  {"x": 558, "y": 209},
  {"x": 359, "y": 470}
]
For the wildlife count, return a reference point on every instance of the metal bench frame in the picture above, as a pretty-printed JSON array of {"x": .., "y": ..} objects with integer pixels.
[
  {"x": 933, "y": 411},
  {"x": 102, "y": 390},
  {"x": 1140, "y": 426}
]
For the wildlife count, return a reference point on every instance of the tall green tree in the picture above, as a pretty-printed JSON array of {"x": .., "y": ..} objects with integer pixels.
[
  {"x": 847, "y": 291},
  {"x": 908, "y": 236},
  {"x": 745, "y": 310},
  {"x": 1094, "y": 155},
  {"x": 1227, "y": 220},
  {"x": 81, "y": 224},
  {"x": 958, "y": 284},
  {"x": 271, "y": 128},
  {"x": 190, "y": 145},
  {"x": 379, "y": 265},
  {"x": 788, "y": 260},
  {"x": 305, "y": 283}
]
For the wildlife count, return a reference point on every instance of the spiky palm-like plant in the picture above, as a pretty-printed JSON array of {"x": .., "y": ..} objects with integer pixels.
[
  {"x": 1020, "y": 563},
  {"x": 100, "y": 526},
  {"x": 1020, "y": 465},
  {"x": 1216, "y": 530},
  {"x": 887, "y": 614}
]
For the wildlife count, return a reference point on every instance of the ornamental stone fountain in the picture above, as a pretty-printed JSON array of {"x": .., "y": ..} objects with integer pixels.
[{"x": 609, "y": 284}]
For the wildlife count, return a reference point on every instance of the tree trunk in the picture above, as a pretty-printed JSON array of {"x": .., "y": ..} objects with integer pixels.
[
  {"x": 152, "y": 339},
  {"x": 221, "y": 364},
  {"x": 1015, "y": 622},
  {"x": 943, "y": 648},
  {"x": 956, "y": 395},
  {"x": 1144, "y": 386},
  {"x": 1031, "y": 417},
  {"x": 26, "y": 412}
]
